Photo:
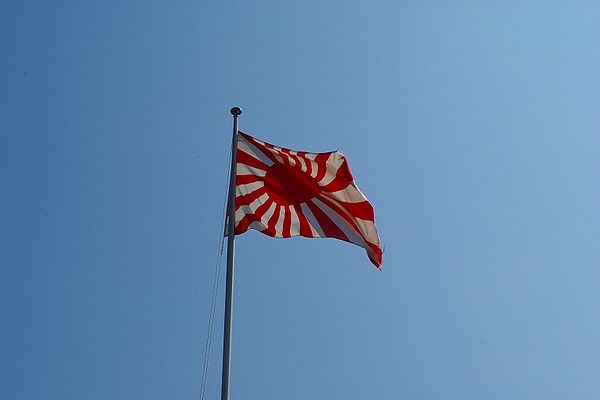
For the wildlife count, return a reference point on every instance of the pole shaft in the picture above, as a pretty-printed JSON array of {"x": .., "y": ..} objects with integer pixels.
[{"x": 230, "y": 253}]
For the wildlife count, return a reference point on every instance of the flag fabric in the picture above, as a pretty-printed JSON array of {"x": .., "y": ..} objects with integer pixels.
[{"x": 285, "y": 193}]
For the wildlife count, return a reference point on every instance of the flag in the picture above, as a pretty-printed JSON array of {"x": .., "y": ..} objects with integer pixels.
[{"x": 285, "y": 193}]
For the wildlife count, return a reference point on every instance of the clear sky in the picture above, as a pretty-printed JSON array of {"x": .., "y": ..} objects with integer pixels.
[{"x": 472, "y": 127}]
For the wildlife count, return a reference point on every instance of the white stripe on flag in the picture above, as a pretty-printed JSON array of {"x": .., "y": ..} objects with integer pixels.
[
  {"x": 302, "y": 164},
  {"x": 267, "y": 215},
  {"x": 314, "y": 166},
  {"x": 248, "y": 188},
  {"x": 257, "y": 225},
  {"x": 249, "y": 148},
  {"x": 312, "y": 221},
  {"x": 333, "y": 164},
  {"x": 295, "y": 225},
  {"x": 249, "y": 208},
  {"x": 341, "y": 223},
  {"x": 279, "y": 224},
  {"x": 243, "y": 169}
]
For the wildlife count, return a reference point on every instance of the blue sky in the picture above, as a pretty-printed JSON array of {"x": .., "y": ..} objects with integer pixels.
[{"x": 472, "y": 127}]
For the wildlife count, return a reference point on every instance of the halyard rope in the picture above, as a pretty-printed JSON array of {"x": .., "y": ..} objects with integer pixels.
[{"x": 215, "y": 292}]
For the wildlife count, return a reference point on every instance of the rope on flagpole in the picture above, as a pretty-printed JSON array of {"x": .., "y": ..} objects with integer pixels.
[{"x": 215, "y": 291}]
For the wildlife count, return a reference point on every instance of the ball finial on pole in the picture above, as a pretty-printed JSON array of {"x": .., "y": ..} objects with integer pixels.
[{"x": 235, "y": 111}]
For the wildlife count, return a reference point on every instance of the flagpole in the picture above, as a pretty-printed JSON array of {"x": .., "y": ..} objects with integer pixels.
[{"x": 235, "y": 111}]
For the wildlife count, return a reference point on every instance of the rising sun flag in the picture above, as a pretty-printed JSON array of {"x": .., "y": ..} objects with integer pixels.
[{"x": 284, "y": 193}]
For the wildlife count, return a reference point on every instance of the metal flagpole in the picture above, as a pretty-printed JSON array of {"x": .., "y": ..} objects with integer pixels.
[{"x": 235, "y": 111}]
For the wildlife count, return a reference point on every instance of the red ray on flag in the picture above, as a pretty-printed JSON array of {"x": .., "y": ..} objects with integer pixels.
[{"x": 285, "y": 193}]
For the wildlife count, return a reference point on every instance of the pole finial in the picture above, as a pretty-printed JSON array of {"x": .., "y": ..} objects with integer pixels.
[{"x": 235, "y": 111}]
